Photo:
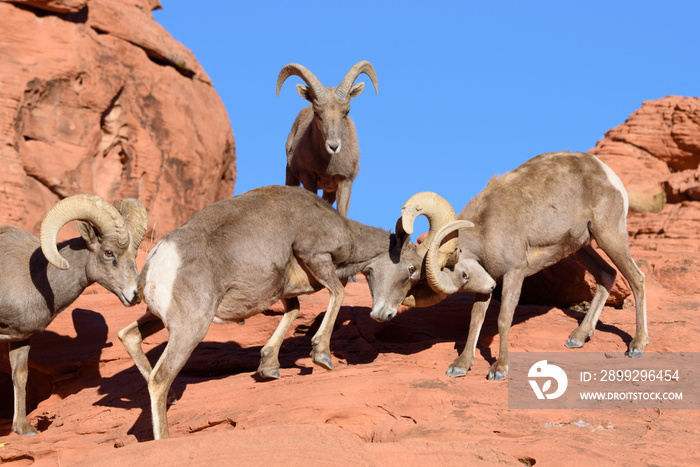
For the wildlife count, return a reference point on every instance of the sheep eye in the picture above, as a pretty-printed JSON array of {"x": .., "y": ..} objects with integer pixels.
[
  {"x": 465, "y": 276},
  {"x": 411, "y": 269},
  {"x": 109, "y": 253}
]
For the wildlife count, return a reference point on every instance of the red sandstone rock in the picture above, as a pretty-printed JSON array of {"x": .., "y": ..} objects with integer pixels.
[
  {"x": 667, "y": 129},
  {"x": 57, "y": 6},
  {"x": 105, "y": 101},
  {"x": 657, "y": 150},
  {"x": 656, "y": 153},
  {"x": 659, "y": 145},
  {"x": 387, "y": 401},
  {"x": 568, "y": 283}
]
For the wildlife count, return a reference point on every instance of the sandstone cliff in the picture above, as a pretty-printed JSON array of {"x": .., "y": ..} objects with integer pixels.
[
  {"x": 656, "y": 153},
  {"x": 97, "y": 97},
  {"x": 94, "y": 98}
]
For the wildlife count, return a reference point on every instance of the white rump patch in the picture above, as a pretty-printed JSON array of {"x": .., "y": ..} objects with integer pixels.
[
  {"x": 163, "y": 265},
  {"x": 616, "y": 182}
]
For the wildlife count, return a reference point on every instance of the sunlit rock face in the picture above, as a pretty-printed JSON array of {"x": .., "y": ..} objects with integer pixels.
[{"x": 97, "y": 97}]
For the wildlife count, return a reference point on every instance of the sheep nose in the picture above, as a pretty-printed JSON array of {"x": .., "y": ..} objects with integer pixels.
[
  {"x": 380, "y": 313},
  {"x": 333, "y": 147}
]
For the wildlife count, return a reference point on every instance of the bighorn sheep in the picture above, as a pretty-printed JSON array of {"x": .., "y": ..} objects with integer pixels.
[
  {"x": 546, "y": 209},
  {"x": 32, "y": 292},
  {"x": 237, "y": 257},
  {"x": 322, "y": 149}
]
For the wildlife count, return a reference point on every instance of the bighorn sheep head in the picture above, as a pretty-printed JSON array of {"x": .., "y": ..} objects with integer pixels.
[
  {"x": 124, "y": 222},
  {"x": 439, "y": 213},
  {"x": 438, "y": 249},
  {"x": 330, "y": 105}
]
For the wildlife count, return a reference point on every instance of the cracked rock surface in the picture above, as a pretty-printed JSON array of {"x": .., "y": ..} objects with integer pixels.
[{"x": 97, "y": 97}]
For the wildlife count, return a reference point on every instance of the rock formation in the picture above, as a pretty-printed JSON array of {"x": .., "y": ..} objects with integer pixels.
[
  {"x": 97, "y": 97},
  {"x": 656, "y": 153}
]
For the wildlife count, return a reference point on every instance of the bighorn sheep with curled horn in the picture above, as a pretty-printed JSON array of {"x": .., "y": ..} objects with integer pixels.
[
  {"x": 322, "y": 149},
  {"x": 38, "y": 283},
  {"x": 548, "y": 208},
  {"x": 237, "y": 257}
]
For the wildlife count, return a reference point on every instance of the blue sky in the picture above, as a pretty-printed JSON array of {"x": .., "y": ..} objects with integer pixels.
[{"x": 467, "y": 90}]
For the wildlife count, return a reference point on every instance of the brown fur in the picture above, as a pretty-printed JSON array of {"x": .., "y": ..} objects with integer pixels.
[
  {"x": 525, "y": 220},
  {"x": 239, "y": 256},
  {"x": 32, "y": 292},
  {"x": 318, "y": 128}
]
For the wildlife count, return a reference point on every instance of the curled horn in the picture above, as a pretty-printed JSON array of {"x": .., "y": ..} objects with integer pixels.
[
  {"x": 421, "y": 295},
  {"x": 85, "y": 207},
  {"x": 135, "y": 217},
  {"x": 439, "y": 213},
  {"x": 318, "y": 89},
  {"x": 360, "y": 67},
  {"x": 440, "y": 281}
]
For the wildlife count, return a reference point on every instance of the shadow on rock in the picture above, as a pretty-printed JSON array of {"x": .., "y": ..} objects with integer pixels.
[
  {"x": 356, "y": 338},
  {"x": 58, "y": 364}
]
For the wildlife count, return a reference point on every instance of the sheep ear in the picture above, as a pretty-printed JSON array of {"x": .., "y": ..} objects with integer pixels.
[
  {"x": 304, "y": 92},
  {"x": 88, "y": 232},
  {"x": 356, "y": 90}
]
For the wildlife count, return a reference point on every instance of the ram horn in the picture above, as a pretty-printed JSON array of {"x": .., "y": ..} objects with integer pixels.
[
  {"x": 439, "y": 280},
  {"x": 135, "y": 217},
  {"x": 439, "y": 213},
  {"x": 422, "y": 295},
  {"x": 360, "y": 67},
  {"x": 318, "y": 89},
  {"x": 85, "y": 207}
]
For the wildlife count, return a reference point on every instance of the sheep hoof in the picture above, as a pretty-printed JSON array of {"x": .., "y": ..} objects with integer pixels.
[
  {"x": 323, "y": 360},
  {"x": 456, "y": 372},
  {"x": 497, "y": 375},
  {"x": 172, "y": 398},
  {"x": 270, "y": 373},
  {"x": 573, "y": 343},
  {"x": 352, "y": 279},
  {"x": 635, "y": 353},
  {"x": 25, "y": 429}
]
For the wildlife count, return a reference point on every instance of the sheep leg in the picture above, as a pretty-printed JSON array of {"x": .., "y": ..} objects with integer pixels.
[
  {"x": 605, "y": 278},
  {"x": 512, "y": 285},
  {"x": 329, "y": 197},
  {"x": 132, "y": 336},
  {"x": 309, "y": 182},
  {"x": 343, "y": 195},
  {"x": 19, "y": 359},
  {"x": 291, "y": 179},
  {"x": 269, "y": 354},
  {"x": 461, "y": 365},
  {"x": 616, "y": 247},
  {"x": 181, "y": 343},
  {"x": 322, "y": 268}
]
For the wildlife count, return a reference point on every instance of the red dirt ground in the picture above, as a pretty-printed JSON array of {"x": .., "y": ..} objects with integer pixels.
[{"x": 387, "y": 401}]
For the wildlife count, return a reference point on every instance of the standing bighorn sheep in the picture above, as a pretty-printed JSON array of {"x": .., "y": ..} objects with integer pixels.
[
  {"x": 37, "y": 282},
  {"x": 546, "y": 209},
  {"x": 237, "y": 257},
  {"x": 322, "y": 149}
]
